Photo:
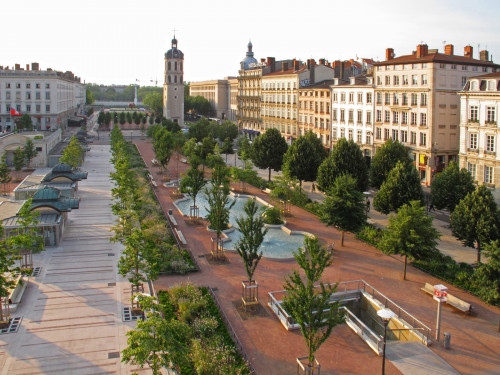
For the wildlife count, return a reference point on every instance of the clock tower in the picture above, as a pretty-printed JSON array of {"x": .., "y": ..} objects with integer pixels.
[{"x": 173, "y": 85}]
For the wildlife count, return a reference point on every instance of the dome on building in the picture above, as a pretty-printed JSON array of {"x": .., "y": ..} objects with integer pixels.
[
  {"x": 249, "y": 59},
  {"x": 174, "y": 53}
]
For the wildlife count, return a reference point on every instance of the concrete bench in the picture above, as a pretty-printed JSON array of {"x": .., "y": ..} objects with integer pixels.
[
  {"x": 180, "y": 236},
  {"x": 153, "y": 182},
  {"x": 451, "y": 299},
  {"x": 428, "y": 288}
]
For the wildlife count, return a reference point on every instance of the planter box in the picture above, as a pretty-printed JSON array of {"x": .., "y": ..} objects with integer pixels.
[{"x": 304, "y": 368}]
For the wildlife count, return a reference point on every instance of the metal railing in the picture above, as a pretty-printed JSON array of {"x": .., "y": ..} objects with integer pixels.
[{"x": 374, "y": 340}]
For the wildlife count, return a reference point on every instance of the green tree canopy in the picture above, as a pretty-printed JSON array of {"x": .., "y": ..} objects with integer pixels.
[
  {"x": 476, "y": 220},
  {"x": 227, "y": 147},
  {"x": 25, "y": 122},
  {"x": 410, "y": 233},
  {"x": 385, "y": 160},
  {"x": 5, "y": 176},
  {"x": 19, "y": 160},
  {"x": 154, "y": 101},
  {"x": 29, "y": 151},
  {"x": 486, "y": 278},
  {"x": 308, "y": 301},
  {"x": 7, "y": 261},
  {"x": 89, "y": 97},
  {"x": 401, "y": 186},
  {"x": 451, "y": 186},
  {"x": 193, "y": 182},
  {"x": 346, "y": 157},
  {"x": 344, "y": 206},
  {"x": 73, "y": 153},
  {"x": 267, "y": 150},
  {"x": 199, "y": 130},
  {"x": 304, "y": 157}
]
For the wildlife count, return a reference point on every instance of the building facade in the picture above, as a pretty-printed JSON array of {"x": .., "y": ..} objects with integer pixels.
[
  {"x": 173, "y": 85},
  {"x": 232, "y": 114},
  {"x": 49, "y": 97},
  {"x": 216, "y": 92},
  {"x": 416, "y": 102},
  {"x": 479, "y": 128},
  {"x": 352, "y": 102}
]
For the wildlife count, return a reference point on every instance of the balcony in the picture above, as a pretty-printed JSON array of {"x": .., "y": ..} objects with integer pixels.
[
  {"x": 493, "y": 153},
  {"x": 473, "y": 150}
]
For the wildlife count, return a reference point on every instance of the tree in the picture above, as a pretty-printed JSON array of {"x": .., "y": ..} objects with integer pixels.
[
  {"x": 25, "y": 122},
  {"x": 304, "y": 157},
  {"x": 344, "y": 206},
  {"x": 219, "y": 204},
  {"x": 252, "y": 235},
  {"x": 107, "y": 118},
  {"x": 476, "y": 220},
  {"x": 89, "y": 97},
  {"x": 310, "y": 304},
  {"x": 29, "y": 151},
  {"x": 5, "y": 176},
  {"x": 346, "y": 157},
  {"x": 193, "y": 182},
  {"x": 227, "y": 130},
  {"x": 73, "y": 153},
  {"x": 385, "y": 160},
  {"x": 7, "y": 260},
  {"x": 163, "y": 146},
  {"x": 19, "y": 160},
  {"x": 486, "y": 277},
  {"x": 410, "y": 233},
  {"x": 156, "y": 342},
  {"x": 268, "y": 149},
  {"x": 121, "y": 118},
  {"x": 451, "y": 186},
  {"x": 101, "y": 118},
  {"x": 199, "y": 130},
  {"x": 227, "y": 147},
  {"x": 401, "y": 186},
  {"x": 155, "y": 102}
]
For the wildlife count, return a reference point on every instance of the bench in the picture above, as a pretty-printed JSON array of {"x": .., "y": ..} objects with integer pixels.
[
  {"x": 184, "y": 161},
  {"x": 180, "y": 236},
  {"x": 451, "y": 299}
]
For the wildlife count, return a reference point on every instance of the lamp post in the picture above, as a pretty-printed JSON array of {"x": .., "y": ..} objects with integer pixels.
[
  {"x": 440, "y": 292},
  {"x": 386, "y": 316}
]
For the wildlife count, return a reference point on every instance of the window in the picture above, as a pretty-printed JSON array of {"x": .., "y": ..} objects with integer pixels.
[
  {"x": 351, "y": 97},
  {"x": 47, "y": 108},
  {"x": 454, "y": 67},
  {"x": 360, "y": 97},
  {"x": 387, "y": 80},
  {"x": 369, "y": 98},
  {"x": 414, "y": 79},
  {"x": 342, "y": 115},
  {"x": 47, "y": 120},
  {"x": 442, "y": 66},
  {"x": 424, "y": 79},
  {"x": 350, "y": 135},
  {"x": 342, "y": 97},
  {"x": 387, "y": 98},
  {"x": 18, "y": 85},
  {"x": 47, "y": 85},
  {"x": 405, "y": 99},
  {"x": 351, "y": 115},
  {"x": 404, "y": 117},
  {"x": 368, "y": 117},
  {"x": 395, "y": 135},
  {"x": 413, "y": 99},
  {"x": 379, "y": 98},
  {"x": 490, "y": 143},
  {"x": 360, "y": 136},
  {"x": 490, "y": 114},
  {"x": 395, "y": 117},
  {"x": 413, "y": 138},
  {"x": 368, "y": 139},
  {"x": 423, "y": 139},
  {"x": 28, "y": 85},
  {"x": 413, "y": 118},
  {"x": 37, "y": 95},
  {"x": 335, "y": 97},
  {"x": 395, "y": 80},
  {"x": 37, "y": 85},
  {"x": 423, "y": 119},
  {"x": 360, "y": 117},
  {"x": 387, "y": 117},
  {"x": 37, "y": 108},
  {"x": 39, "y": 149},
  {"x": 404, "y": 136},
  {"x": 379, "y": 80},
  {"x": 395, "y": 99},
  {"x": 7, "y": 85},
  {"x": 423, "y": 100},
  {"x": 379, "y": 115},
  {"x": 405, "y": 79},
  {"x": 334, "y": 112},
  {"x": 473, "y": 141},
  {"x": 473, "y": 113},
  {"x": 7, "y": 95},
  {"x": 342, "y": 133},
  {"x": 334, "y": 133},
  {"x": 386, "y": 134},
  {"x": 28, "y": 95},
  {"x": 378, "y": 133},
  {"x": 464, "y": 81},
  {"x": 472, "y": 170},
  {"x": 488, "y": 175},
  {"x": 18, "y": 96},
  {"x": 7, "y": 108},
  {"x": 28, "y": 108},
  {"x": 485, "y": 69},
  {"x": 327, "y": 107}
]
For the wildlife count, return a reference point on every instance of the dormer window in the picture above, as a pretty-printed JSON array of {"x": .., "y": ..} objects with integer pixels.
[
  {"x": 491, "y": 85},
  {"x": 473, "y": 85}
]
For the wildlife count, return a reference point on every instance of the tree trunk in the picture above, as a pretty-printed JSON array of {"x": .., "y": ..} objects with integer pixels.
[
  {"x": 404, "y": 272},
  {"x": 342, "y": 238},
  {"x": 269, "y": 179},
  {"x": 478, "y": 253}
]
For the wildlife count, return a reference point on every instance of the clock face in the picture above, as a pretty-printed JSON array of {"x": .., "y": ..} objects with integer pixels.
[{"x": 176, "y": 54}]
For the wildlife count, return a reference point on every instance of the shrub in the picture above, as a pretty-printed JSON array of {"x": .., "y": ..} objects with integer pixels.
[{"x": 272, "y": 216}]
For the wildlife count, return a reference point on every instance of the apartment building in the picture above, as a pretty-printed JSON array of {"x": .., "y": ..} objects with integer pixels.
[
  {"x": 232, "y": 100},
  {"x": 216, "y": 92},
  {"x": 352, "y": 103},
  {"x": 479, "y": 128},
  {"x": 48, "y": 96},
  {"x": 416, "y": 102},
  {"x": 314, "y": 111}
]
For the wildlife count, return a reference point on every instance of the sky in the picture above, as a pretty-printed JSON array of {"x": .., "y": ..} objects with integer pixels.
[{"x": 121, "y": 41}]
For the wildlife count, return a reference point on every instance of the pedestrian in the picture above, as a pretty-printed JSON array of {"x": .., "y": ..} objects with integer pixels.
[
  {"x": 313, "y": 187},
  {"x": 367, "y": 205},
  {"x": 431, "y": 208}
]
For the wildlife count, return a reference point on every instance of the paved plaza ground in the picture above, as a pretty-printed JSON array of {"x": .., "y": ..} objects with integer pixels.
[{"x": 272, "y": 350}]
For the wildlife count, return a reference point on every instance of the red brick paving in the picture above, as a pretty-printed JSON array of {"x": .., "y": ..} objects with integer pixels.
[{"x": 272, "y": 350}]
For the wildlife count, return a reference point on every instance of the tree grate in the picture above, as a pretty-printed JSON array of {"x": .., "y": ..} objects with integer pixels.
[
  {"x": 111, "y": 254},
  {"x": 13, "y": 326},
  {"x": 127, "y": 315},
  {"x": 111, "y": 284},
  {"x": 113, "y": 355},
  {"x": 36, "y": 271}
]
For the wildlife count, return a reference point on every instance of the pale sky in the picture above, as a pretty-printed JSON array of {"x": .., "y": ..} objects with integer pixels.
[{"x": 119, "y": 41}]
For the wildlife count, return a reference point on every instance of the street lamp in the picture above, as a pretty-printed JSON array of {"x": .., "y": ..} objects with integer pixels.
[
  {"x": 440, "y": 293},
  {"x": 386, "y": 316}
]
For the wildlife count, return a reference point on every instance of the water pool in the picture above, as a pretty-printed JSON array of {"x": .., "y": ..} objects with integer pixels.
[{"x": 279, "y": 242}]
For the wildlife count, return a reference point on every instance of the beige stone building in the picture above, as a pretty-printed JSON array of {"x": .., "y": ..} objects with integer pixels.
[
  {"x": 233, "y": 100},
  {"x": 217, "y": 92},
  {"x": 479, "y": 128},
  {"x": 416, "y": 102},
  {"x": 173, "y": 85}
]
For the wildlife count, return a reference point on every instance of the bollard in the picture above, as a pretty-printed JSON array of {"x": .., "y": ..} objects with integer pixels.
[{"x": 447, "y": 340}]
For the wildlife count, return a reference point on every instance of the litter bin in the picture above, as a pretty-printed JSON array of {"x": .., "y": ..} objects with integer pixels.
[
  {"x": 447, "y": 340},
  {"x": 170, "y": 212}
]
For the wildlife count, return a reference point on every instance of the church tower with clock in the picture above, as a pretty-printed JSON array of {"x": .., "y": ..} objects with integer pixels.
[{"x": 173, "y": 86}]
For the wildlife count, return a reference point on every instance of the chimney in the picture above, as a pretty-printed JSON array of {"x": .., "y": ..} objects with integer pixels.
[
  {"x": 448, "y": 49},
  {"x": 262, "y": 61},
  {"x": 321, "y": 61},
  {"x": 468, "y": 51},
  {"x": 422, "y": 50},
  {"x": 312, "y": 77},
  {"x": 34, "y": 66},
  {"x": 284, "y": 66},
  {"x": 389, "y": 53},
  {"x": 296, "y": 65},
  {"x": 27, "y": 66},
  {"x": 484, "y": 55},
  {"x": 270, "y": 62},
  {"x": 341, "y": 69},
  {"x": 17, "y": 67}
]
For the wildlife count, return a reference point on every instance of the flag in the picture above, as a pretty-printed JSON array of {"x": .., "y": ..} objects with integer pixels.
[{"x": 13, "y": 112}]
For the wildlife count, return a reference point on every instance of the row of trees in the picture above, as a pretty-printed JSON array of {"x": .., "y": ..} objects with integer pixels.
[{"x": 110, "y": 94}]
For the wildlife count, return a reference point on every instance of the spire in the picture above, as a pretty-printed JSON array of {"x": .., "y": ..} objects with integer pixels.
[
  {"x": 174, "y": 42},
  {"x": 249, "y": 52}
]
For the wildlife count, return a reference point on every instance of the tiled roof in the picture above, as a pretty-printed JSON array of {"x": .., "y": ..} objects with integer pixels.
[
  {"x": 319, "y": 85},
  {"x": 435, "y": 57},
  {"x": 486, "y": 76}
]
